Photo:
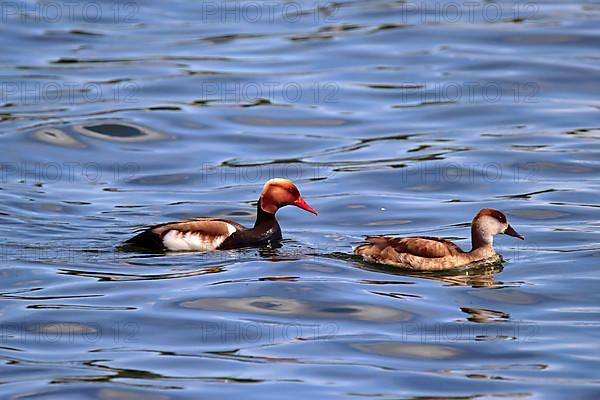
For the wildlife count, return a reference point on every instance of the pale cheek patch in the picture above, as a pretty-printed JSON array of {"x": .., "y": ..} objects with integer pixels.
[{"x": 194, "y": 241}]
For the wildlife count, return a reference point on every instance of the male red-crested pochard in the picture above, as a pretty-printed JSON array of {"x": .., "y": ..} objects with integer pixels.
[
  {"x": 432, "y": 253},
  {"x": 205, "y": 234}
]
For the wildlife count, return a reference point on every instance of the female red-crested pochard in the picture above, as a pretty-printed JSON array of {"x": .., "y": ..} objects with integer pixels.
[
  {"x": 205, "y": 234},
  {"x": 432, "y": 253}
]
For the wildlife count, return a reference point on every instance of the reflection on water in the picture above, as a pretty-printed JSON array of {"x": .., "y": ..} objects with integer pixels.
[
  {"x": 403, "y": 350},
  {"x": 392, "y": 117},
  {"x": 284, "y": 306},
  {"x": 116, "y": 131},
  {"x": 119, "y": 132},
  {"x": 477, "y": 277}
]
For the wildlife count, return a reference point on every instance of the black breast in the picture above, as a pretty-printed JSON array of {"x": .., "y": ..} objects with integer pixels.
[{"x": 265, "y": 230}]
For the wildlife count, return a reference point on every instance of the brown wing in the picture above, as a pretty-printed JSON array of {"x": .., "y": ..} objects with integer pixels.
[
  {"x": 420, "y": 246},
  {"x": 205, "y": 226}
]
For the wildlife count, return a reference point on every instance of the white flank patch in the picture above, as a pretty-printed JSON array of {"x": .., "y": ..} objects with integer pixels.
[{"x": 194, "y": 241}]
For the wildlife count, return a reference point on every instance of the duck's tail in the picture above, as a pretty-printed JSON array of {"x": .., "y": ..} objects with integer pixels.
[{"x": 146, "y": 239}]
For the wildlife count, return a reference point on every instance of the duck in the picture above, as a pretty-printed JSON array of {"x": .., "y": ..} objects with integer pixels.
[
  {"x": 208, "y": 234},
  {"x": 433, "y": 253}
]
